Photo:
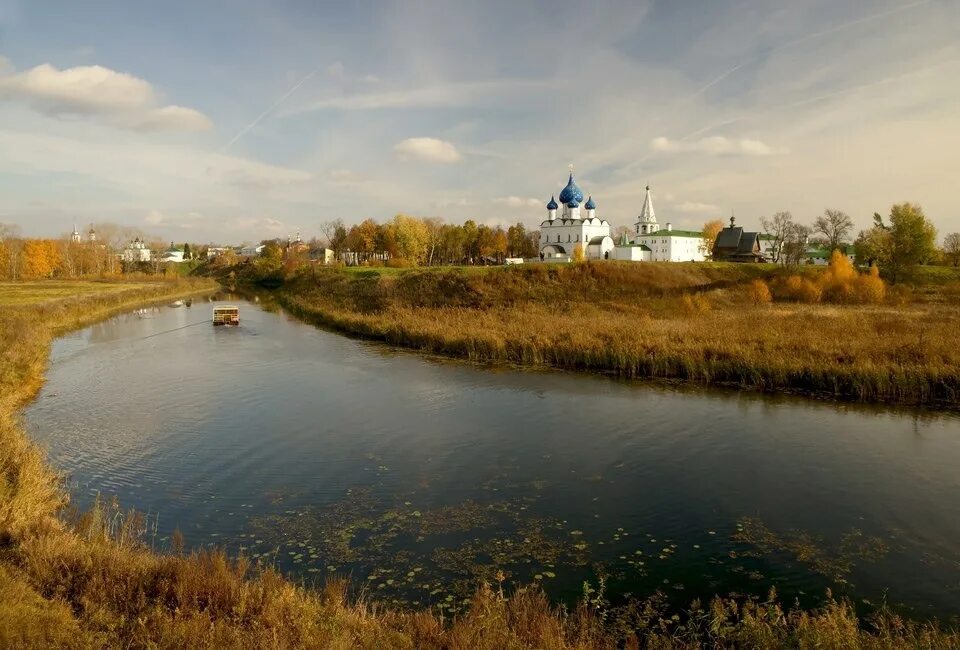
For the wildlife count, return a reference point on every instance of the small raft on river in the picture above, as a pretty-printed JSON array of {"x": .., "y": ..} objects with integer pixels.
[{"x": 227, "y": 315}]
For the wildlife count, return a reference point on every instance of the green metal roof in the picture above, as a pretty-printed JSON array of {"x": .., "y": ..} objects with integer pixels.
[{"x": 663, "y": 232}]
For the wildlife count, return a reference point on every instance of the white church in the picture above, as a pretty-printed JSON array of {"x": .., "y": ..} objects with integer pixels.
[
  {"x": 652, "y": 243},
  {"x": 561, "y": 233}
]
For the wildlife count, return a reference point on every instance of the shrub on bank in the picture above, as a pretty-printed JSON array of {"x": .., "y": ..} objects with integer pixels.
[
  {"x": 839, "y": 284},
  {"x": 758, "y": 292}
]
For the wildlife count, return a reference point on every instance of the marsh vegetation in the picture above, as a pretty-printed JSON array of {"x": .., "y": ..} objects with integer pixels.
[{"x": 93, "y": 580}]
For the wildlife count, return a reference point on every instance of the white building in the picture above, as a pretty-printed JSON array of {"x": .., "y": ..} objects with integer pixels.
[
  {"x": 172, "y": 254},
  {"x": 136, "y": 251},
  {"x": 252, "y": 251},
  {"x": 655, "y": 244},
  {"x": 561, "y": 234},
  {"x": 820, "y": 255},
  {"x": 215, "y": 251}
]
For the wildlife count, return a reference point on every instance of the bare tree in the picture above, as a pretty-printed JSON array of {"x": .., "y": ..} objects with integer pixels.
[
  {"x": 835, "y": 226},
  {"x": 951, "y": 248},
  {"x": 434, "y": 231},
  {"x": 335, "y": 234},
  {"x": 12, "y": 246},
  {"x": 795, "y": 244},
  {"x": 778, "y": 228}
]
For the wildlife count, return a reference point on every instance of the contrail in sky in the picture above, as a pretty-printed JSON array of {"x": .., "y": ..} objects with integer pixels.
[
  {"x": 804, "y": 39},
  {"x": 262, "y": 115}
]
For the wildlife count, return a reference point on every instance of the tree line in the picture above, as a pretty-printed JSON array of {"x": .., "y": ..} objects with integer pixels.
[
  {"x": 419, "y": 241},
  {"x": 896, "y": 244}
]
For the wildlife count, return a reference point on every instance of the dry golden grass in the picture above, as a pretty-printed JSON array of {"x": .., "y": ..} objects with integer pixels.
[
  {"x": 92, "y": 583},
  {"x": 692, "y": 322}
]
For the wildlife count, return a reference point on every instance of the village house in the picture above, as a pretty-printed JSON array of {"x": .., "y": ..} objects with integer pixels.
[
  {"x": 172, "y": 254},
  {"x": 734, "y": 244}
]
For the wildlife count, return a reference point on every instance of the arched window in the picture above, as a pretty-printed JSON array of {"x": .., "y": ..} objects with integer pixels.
[{"x": 568, "y": 239}]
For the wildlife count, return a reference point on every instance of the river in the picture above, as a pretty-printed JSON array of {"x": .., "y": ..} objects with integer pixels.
[{"x": 415, "y": 477}]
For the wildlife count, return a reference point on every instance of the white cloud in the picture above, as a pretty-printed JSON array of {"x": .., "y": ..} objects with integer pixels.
[
  {"x": 715, "y": 146},
  {"x": 121, "y": 99},
  {"x": 696, "y": 207},
  {"x": 184, "y": 221},
  {"x": 154, "y": 217},
  {"x": 481, "y": 93},
  {"x": 518, "y": 202},
  {"x": 260, "y": 226},
  {"x": 172, "y": 118},
  {"x": 345, "y": 177},
  {"x": 428, "y": 149}
]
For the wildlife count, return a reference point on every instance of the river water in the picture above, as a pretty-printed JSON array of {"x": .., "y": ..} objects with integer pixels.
[{"x": 416, "y": 477}]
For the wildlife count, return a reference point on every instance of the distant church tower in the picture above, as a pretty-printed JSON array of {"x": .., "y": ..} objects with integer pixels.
[
  {"x": 91, "y": 234},
  {"x": 647, "y": 221},
  {"x": 75, "y": 236}
]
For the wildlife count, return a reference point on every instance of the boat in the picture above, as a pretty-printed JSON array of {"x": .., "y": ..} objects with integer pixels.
[
  {"x": 226, "y": 315},
  {"x": 177, "y": 303}
]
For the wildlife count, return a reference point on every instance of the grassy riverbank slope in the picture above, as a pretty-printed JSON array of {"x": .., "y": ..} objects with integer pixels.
[
  {"x": 90, "y": 582},
  {"x": 695, "y": 322}
]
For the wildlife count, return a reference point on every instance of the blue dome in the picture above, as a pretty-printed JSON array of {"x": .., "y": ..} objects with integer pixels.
[
  {"x": 590, "y": 204},
  {"x": 573, "y": 204},
  {"x": 571, "y": 192},
  {"x": 552, "y": 205}
]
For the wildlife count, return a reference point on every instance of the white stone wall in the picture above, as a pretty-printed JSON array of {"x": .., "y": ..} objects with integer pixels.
[
  {"x": 665, "y": 247},
  {"x": 631, "y": 254}
]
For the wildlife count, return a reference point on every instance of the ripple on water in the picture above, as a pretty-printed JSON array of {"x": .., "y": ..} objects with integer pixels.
[{"x": 215, "y": 430}]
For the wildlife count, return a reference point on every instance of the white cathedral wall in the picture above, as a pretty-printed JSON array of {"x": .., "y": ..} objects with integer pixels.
[{"x": 570, "y": 235}]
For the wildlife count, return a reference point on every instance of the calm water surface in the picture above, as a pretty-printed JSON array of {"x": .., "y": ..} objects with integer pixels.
[{"x": 415, "y": 477}]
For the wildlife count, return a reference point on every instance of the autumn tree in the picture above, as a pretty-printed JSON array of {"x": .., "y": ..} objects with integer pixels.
[
  {"x": 710, "y": 231},
  {"x": 517, "y": 240},
  {"x": 951, "y": 248},
  {"x": 898, "y": 247},
  {"x": 578, "y": 254},
  {"x": 411, "y": 238},
  {"x": 500, "y": 245},
  {"x": 41, "y": 257}
]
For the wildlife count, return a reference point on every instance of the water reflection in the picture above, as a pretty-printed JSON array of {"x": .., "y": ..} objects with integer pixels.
[{"x": 417, "y": 476}]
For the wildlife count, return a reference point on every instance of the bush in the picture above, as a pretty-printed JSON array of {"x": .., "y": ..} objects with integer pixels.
[
  {"x": 869, "y": 288},
  {"x": 399, "y": 263},
  {"x": 759, "y": 293},
  {"x": 695, "y": 304},
  {"x": 796, "y": 289}
]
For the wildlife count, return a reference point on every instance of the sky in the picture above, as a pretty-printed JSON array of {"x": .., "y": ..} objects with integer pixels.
[{"x": 237, "y": 121}]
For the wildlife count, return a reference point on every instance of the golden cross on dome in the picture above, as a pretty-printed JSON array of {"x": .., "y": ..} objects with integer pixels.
[{"x": 571, "y": 168}]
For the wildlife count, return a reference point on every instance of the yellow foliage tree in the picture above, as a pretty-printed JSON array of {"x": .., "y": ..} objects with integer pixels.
[
  {"x": 578, "y": 254},
  {"x": 41, "y": 257}
]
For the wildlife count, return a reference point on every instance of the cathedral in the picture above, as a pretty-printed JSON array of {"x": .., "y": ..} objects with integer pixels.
[
  {"x": 562, "y": 233},
  {"x": 566, "y": 228}
]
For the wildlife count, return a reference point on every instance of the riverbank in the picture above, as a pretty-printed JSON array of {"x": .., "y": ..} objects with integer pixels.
[
  {"x": 700, "y": 323},
  {"x": 91, "y": 581}
]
